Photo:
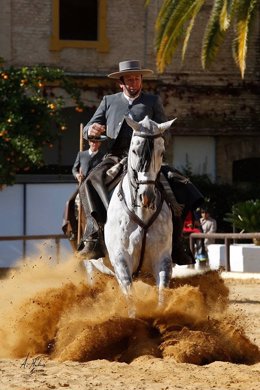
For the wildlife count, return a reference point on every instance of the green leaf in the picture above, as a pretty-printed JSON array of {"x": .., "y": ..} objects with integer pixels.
[
  {"x": 27, "y": 114},
  {"x": 245, "y": 216}
]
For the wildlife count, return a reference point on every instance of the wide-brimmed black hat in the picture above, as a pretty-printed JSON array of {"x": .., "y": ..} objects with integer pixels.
[{"x": 131, "y": 66}]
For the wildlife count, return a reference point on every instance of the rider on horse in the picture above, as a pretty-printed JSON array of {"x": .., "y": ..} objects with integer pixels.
[{"x": 109, "y": 118}]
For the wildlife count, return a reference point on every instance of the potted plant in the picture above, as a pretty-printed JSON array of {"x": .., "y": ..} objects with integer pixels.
[{"x": 245, "y": 216}]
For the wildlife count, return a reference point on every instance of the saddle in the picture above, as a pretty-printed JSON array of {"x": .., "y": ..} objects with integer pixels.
[{"x": 115, "y": 173}]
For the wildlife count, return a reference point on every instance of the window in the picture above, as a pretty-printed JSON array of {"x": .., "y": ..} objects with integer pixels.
[
  {"x": 78, "y": 20},
  {"x": 79, "y": 23}
]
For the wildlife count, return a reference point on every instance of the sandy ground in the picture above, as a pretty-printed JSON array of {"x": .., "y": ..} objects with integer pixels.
[{"x": 59, "y": 332}]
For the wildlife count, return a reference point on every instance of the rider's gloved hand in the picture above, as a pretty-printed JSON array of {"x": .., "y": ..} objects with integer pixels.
[{"x": 95, "y": 130}]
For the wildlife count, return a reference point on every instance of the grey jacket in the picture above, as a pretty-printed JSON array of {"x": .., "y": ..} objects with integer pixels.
[
  {"x": 113, "y": 109},
  {"x": 208, "y": 226},
  {"x": 86, "y": 162}
]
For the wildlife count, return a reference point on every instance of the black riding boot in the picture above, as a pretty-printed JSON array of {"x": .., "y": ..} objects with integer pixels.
[
  {"x": 181, "y": 254},
  {"x": 93, "y": 240}
]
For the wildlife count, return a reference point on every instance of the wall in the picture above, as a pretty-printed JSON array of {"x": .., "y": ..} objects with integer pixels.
[
  {"x": 214, "y": 103},
  {"x": 199, "y": 155},
  {"x": 26, "y": 28}
]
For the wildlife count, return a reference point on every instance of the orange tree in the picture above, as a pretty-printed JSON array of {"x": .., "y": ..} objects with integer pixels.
[{"x": 27, "y": 114}]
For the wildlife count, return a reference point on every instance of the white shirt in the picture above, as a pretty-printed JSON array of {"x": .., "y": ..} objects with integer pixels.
[
  {"x": 130, "y": 100},
  {"x": 91, "y": 153}
]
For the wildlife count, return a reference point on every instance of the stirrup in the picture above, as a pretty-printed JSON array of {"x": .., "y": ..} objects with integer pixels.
[{"x": 93, "y": 249}]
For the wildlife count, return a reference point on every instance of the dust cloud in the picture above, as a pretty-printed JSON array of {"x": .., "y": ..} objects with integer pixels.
[{"x": 50, "y": 309}]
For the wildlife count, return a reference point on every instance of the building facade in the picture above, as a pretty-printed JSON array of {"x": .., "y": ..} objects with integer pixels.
[{"x": 217, "y": 131}]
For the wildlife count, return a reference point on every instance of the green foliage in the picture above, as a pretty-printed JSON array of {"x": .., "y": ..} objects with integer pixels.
[
  {"x": 28, "y": 110},
  {"x": 245, "y": 216},
  {"x": 174, "y": 15},
  {"x": 176, "y": 20},
  {"x": 214, "y": 35},
  {"x": 220, "y": 198}
]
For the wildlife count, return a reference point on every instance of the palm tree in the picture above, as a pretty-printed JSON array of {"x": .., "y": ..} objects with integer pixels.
[{"x": 176, "y": 19}]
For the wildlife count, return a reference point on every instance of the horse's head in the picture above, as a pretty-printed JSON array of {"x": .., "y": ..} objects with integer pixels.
[{"x": 145, "y": 157}]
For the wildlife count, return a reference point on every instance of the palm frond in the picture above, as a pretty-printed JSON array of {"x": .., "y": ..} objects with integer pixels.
[
  {"x": 170, "y": 28},
  {"x": 176, "y": 19},
  {"x": 197, "y": 8},
  {"x": 245, "y": 12},
  {"x": 166, "y": 51},
  {"x": 213, "y": 36},
  {"x": 165, "y": 14},
  {"x": 225, "y": 15}
]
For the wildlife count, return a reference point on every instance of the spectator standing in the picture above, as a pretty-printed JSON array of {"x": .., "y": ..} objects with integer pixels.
[{"x": 208, "y": 225}]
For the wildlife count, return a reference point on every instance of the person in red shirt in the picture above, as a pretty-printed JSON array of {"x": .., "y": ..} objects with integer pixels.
[{"x": 191, "y": 224}]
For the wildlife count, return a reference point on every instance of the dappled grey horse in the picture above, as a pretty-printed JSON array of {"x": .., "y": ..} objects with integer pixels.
[{"x": 138, "y": 231}]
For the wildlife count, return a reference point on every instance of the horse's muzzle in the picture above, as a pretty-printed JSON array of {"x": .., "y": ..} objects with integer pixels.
[{"x": 147, "y": 198}]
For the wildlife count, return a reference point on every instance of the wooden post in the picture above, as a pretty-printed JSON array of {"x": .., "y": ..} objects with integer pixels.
[
  {"x": 227, "y": 252},
  {"x": 80, "y": 206},
  {"x": 191, "y": 244}
]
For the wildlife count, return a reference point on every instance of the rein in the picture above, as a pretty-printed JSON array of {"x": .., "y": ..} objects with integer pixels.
[
  {"x": 139, "y": 222},
  {"x": 132, "y": 214}
]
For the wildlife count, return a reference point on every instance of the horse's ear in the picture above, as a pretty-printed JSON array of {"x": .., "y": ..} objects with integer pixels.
[
  {"x": 164, "y": 126},
  {"x": 135, "y": 125}
]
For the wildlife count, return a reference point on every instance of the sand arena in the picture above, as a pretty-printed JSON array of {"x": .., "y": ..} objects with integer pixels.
[{"x": 50, "y": 312}]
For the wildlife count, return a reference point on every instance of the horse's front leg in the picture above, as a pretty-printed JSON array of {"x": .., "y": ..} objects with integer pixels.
[
  {"x": 89, "y": 272},
  {"x": 163, "y": 279},
  {"x": 125, "y": 281}
]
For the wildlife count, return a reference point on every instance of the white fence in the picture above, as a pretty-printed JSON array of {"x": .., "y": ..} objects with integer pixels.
[
  {"x": 31, "y": 209},
  {"x": 241, "y": 253}
]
